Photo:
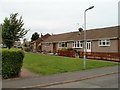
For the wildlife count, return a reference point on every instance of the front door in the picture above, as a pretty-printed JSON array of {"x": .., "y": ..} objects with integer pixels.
[
  {"x": 54, "y": 47},
  {"x": 88, "y": 46}
]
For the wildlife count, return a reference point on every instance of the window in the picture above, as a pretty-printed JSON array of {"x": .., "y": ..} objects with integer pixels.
[
  {"x": 62, "y": 44},
  {"x": 77, "y": 44},
  {"x": 104, "y": 43},
  {"x": 47, "y": 44}
]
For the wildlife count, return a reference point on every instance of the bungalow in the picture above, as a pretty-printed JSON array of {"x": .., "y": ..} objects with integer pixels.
[
  {"x": 17, "y": 44},
  {"x": 37, "y": 42},
  {"x": 98, "y": 40}
]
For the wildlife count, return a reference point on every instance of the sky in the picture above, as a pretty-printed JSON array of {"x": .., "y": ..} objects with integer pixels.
[{"x": 61, "y": 16}]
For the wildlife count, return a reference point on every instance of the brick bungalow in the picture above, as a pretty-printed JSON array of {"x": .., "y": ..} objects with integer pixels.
[
  {"x": 39, "y": 40},
  {"x": 98, "y": 40}
]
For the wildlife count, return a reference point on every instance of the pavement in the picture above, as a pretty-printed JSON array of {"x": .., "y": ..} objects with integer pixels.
[{"x": 43, "y": 81}]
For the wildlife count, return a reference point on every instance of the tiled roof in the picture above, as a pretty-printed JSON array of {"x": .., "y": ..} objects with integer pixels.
[
  {"x": 109, "y": 32},
  {"x": 42, "y": 38}
]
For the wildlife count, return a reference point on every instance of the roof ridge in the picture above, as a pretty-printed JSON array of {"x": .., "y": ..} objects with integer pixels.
[
  {"x": 65, "y": 33},
  {"x": 86, "y": 30},
  {"x": 104, "y": 28}
]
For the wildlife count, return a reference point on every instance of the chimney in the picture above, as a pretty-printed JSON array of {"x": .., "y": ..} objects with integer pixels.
[{"x": 80, "y": 30}]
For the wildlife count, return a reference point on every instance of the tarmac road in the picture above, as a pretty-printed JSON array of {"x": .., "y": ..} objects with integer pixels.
[{"x": 109, "y": 81}]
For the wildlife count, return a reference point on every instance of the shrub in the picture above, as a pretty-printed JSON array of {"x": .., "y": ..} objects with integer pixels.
[
  {"x": 27, "y": 49},
  {"x": 70, "y": 49},
  {"x": 65, "y": 49},
  {"x": 12, "y": 61},
  {"x": 77, "y": 52},
  {"x": 44, "y": 52},
  {"x": 49, "y": 51}
]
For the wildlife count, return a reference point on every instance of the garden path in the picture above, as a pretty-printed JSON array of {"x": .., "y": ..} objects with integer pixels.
[{"x": 26, "y": 73}]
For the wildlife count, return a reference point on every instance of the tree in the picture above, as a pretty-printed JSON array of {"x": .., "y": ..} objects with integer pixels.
[
  {"x": 24, "y": 40},
  {"x": 35, "y": 36},
  {"x": 12, "y": 30}
]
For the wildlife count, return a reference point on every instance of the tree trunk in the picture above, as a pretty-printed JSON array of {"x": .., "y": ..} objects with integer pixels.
[{"x": 8, "y": 47}]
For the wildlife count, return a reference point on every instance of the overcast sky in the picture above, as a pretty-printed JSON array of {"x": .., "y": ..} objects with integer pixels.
[{"x": 60, "y": 16}]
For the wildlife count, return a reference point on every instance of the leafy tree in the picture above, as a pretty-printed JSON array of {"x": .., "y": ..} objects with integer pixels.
[
  {"x": 35, "y": 36},
  {"x": 12, "y": 30}
]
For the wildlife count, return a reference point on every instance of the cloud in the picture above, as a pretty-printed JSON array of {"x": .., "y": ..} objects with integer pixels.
[
  {"x": 56, "y": 16},
  {"x": 21, "y": 1}
]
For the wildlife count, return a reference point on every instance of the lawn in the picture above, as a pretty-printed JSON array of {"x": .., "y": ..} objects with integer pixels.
[{"x": 46, "y": 65}]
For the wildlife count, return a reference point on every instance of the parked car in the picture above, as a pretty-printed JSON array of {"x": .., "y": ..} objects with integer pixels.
[
  {"x": 19, "y": 46},
  {"x": 4, "y": 46}
]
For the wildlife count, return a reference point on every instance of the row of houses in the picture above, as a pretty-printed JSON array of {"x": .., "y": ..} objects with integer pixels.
[{"x": 98, "y": 40}]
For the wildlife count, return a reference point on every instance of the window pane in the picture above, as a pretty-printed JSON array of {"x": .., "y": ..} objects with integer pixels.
[
  {"x": 65, "y": 44},
  {"x": 100, "y": 42},
  {"x": 81, "y": 45},
  {"x": 103, "y": 40},
  {"x": 103, "y": 43},
  {"x": 78, "y": 44},
  {"x": 47, "y": 44},
  {"x": 75, "y": 43},
  {"x": 108, "y": 43},
  {"x": 62, "y": 44},
  {"x": 87, "y": 46},
  {"x": 59, "y": 44}
]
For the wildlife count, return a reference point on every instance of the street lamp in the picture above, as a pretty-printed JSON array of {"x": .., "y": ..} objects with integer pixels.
[{"x": 85, "y": 35}]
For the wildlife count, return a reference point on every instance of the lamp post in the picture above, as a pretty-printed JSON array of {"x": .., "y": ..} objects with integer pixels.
[{"x": 85, "y": 35}]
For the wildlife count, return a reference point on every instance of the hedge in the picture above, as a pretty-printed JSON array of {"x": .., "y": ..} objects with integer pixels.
[{"x": 12, "y": 61}]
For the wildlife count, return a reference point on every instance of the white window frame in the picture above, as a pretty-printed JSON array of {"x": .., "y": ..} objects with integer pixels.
[
  {"x": 60, "y": 44},
  {"x": 47, "y": 44},
  {"x": 76, "y": 43},
  {"x": 104, "y": 42}
]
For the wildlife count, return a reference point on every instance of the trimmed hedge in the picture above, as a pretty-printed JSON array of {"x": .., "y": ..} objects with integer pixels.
[{"x": 12, "y": 61}]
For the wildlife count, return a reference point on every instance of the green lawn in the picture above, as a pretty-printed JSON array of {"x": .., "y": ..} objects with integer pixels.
[{"x": 46, "y": 65}]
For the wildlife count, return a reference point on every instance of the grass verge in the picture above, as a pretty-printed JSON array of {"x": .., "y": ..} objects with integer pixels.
[{"x": 47, "y": 65}]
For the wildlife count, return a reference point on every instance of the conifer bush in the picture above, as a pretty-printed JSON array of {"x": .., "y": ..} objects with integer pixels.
[{"x": 12, "y": 61}]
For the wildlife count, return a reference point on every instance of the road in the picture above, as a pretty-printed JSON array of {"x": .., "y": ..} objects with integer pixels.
[{"x": 109, "y": 81}]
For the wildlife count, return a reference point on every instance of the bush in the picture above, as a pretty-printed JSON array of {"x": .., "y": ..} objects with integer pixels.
[
  {"x": 77, "y": 52},
  {"x": 27, "y": 49},
  {"x": 65, "y": 49},
  {"x": 70, "y": 49},
  {"x": 49, "y": 51},
  {"x": 12, "y": 61}
]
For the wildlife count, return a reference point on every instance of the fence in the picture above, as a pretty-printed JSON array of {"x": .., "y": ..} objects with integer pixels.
[
  {"x": 101, "y": 56},
  {"x": 92, "y": 55},
  {"x": 66, "y": 53}
]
